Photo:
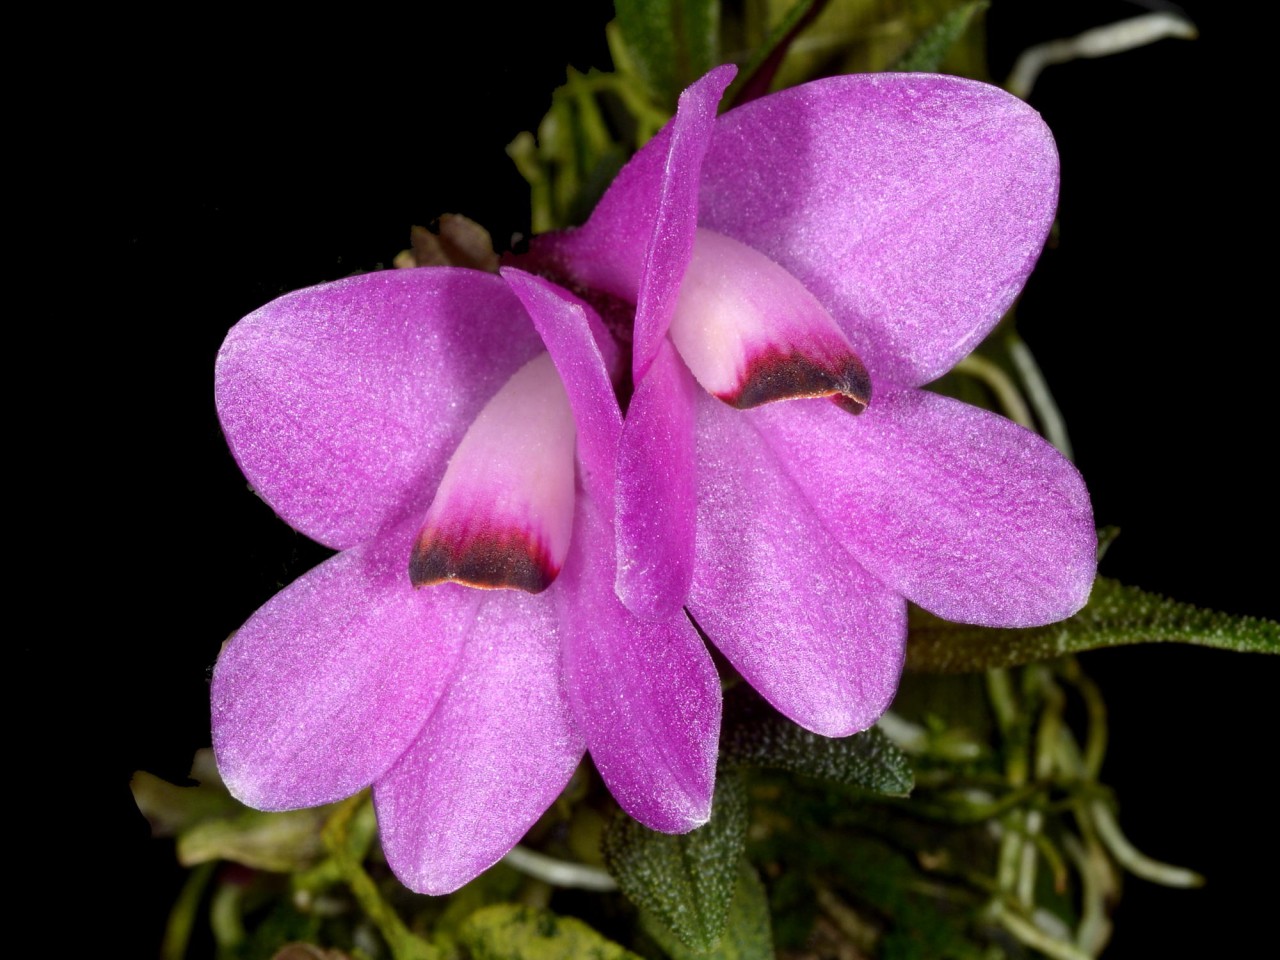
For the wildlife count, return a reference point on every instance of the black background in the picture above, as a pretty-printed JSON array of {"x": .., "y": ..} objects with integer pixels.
[{"x": 237, "y": 161}]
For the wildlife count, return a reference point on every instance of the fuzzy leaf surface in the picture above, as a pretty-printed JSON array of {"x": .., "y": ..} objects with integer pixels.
[
  {"x": 748, "y": 934},
  {"x": 1115, "y": 615},
  {"x": 754, "y": 734},
  {"x": 686, "y": 881}
]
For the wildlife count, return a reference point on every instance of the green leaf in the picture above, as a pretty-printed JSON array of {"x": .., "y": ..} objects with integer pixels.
[
  {"x": 686, "y": 881},
  {"x": 754, "y": 734},
  {"x": 279, "y": 842},
  {"x": 927, "y": 53},
  {"x": 671, "y": 42},
  {"x": 747, "y": 934},
  {"x": 509, "y": 931},
  {"x": 1114, "y": 616}
]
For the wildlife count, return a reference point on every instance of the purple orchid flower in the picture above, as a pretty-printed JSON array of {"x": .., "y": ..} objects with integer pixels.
[
  {"x": 851, "y": 238},
  {"x": 414, "y": 420},
  {"x": 448, "y": 430}
]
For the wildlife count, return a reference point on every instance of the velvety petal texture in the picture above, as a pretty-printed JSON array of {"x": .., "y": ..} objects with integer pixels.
[
  {"x": 960, "y": 510},
  {"x": 641, "y": 232},
  {"x": 495, "y": 754},
  {"x": 328, "y": 683},
  {"x": 657, "y": 496},
  {"x": 913, "y": 206},
  {"x": 849, "y": 232},
  {"x": 342, "y": 402},
  {"x": 567, "y": 327},
  {"x": 752, "y": 334},
  {"x": 644, "y": 692},
  {"x": 797, "y": 615},
  {"x": 503, "y": 513}
]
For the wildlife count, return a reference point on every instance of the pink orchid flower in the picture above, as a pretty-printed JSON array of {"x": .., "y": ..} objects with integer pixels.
[
  {"x": 850, "y": 238},
  {"x": 517, "y": 561}
]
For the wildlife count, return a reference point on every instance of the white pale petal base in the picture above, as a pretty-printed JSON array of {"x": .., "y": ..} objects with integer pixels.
[
  {"x": 751, "y": 333},
  {"x": 503, "y": 514}
]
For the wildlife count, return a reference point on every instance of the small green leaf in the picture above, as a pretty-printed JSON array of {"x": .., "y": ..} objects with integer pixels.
[
  {"x": 747, "y": 934},
  {"x": 279, "y": 842},
  {"x": 1114, "y": 616},
  {"x": 671, "y": 43},
  {"x": 686, "y": 881},
  {"x": 927, "y": 53},
  {"x": 509, "y": 931},
  {"x": 754, "y": 734}
]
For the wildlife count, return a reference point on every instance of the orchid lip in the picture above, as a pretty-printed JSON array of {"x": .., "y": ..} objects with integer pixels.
[
  {"x": 775, "y": 375},
  {"x": 486, "y": 559},
  {"x": 752, "y": 334},
  {"x": 503, "y": 513}
]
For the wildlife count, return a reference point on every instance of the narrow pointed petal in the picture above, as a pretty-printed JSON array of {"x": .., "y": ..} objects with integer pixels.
[
  {"x": 495, "y": 754},
  {"x": 912, "y": 206},
  {"x": 640, "y": 236},
  {"x": 342, "y": 402},
  {"x": 503, "y": 513},
  {"x": 752, "y": 334},
  {"x": 657, "y": 498},
  {"x": 819, "y": 637},
  {"x": 329, "y": 682},
  {"x": 644, "y": 693},
  {"x": 960, "y": 510},
  {"x": 567, "y": 327},
  {"x": 676, "y": 220}
]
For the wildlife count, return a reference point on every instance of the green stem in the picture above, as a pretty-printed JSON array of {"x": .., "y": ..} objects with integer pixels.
[
  {"x": 182, "y": 918},
  {"x": 1001, "y": 385},
  {"x": 404, "y": 944}
]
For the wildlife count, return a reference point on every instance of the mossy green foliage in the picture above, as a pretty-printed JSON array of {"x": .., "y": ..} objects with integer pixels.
[{"x": 511, "y": 931}]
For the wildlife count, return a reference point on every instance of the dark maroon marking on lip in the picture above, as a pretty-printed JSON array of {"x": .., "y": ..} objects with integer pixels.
[
  {"x": 774, "y": 375},
  {"x": 488, "y": 560}
]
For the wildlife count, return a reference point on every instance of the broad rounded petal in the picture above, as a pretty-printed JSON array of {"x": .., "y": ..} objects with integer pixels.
[
  {"x": 329, "y": 682},
  {"x": 639, "y": 238},
  {"x": 752, "y": 334},
  {"x": 342, "y": 402},
  {"x": 565, "y": 324},
  {"x": 819, "y": 637},
  {"x": 913, "y": 206},
  {"x": 495, "y": 754},
  {"x": 503, "y": 513},
  {"x": 657, "y": 498},
  {"x": 962, "y": 511},
  {"x": 644, "y": 693}
]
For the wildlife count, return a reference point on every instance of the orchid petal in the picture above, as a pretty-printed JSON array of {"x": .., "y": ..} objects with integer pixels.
[
  {"x": 566, "y": 326},
  {"x": 819, "y": 637},
  {"x": 912, "y": 206},
  {"x": 752, "y": 334},
  {"x": 675, "y": 223},
  {"x": 639, "y": 238},
  {"x": 503, "y": 513},
  {"x": 964, "y": 512},
  {"x": 341, "y": 403},
  {"x": 657, "y": 498},
  {"x": 329, "y": 682},
  {"x": 495, "y": 754},
  {"x": 645, "y": 693}
]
